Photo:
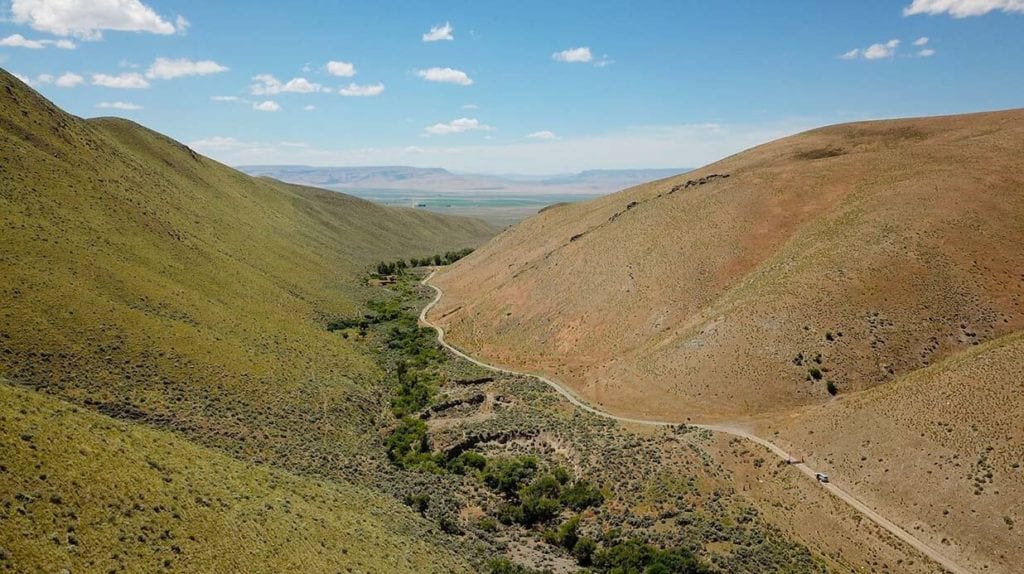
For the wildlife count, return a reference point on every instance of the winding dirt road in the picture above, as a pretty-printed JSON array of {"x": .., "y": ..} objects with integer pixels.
[{"x": 570, "y": 396}]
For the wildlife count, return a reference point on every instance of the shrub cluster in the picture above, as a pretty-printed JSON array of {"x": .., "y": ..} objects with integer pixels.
[{"x": 399, "y": 267}]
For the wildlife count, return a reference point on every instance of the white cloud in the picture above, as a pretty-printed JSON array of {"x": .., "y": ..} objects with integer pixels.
[
  {"x": 445, "y": 75},
  {"x": 267, "y": 106},
  {"x": 130, "y": 81},
  {"x": 166, "y": 68},
  {"x": 309, "y": 108},
  {"x": 926, "y": 53},
  {"x": 573, "y": 55},
  {"x": 366, "y": 90},
  {"x": 268, "y": 85},
  {"x": 225, "y": 98},
  {"x": 19, "y": 41},
  {"x": 342, "y": 69},
  {"x": 873, "y": 52},
  {"x": 439, "y": 33},
  {"x": 963, "y": 8},
  {"x": 87, "y": 19},
  {"x": 24, "y": 79},
  {"x": 470, "y": 107},
  {"x": 457, "y": 127},
  {"x": 44, "y": 79},
  {"x": 880, "y": 51},
  {"x": 118, "y": 106},
  {"x": 543, "y": 135},
  {"x": 69, "y": 80},
  {"x": 921, "y": 41}
]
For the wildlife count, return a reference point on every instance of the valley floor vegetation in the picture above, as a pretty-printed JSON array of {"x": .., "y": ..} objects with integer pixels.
[{"x": 503, "y": 461}]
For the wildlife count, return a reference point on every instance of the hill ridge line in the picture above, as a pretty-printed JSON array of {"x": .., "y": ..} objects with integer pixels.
[{"x": 576, "y": 401}]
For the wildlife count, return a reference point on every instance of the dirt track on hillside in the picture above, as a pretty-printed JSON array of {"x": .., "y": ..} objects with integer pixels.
[{"x": 838, "y": 492}]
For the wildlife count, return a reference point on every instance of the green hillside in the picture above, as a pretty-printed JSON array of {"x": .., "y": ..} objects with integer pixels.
[
  {"x": 84, "y": 492},
  {"x": 144, "y": 281}
]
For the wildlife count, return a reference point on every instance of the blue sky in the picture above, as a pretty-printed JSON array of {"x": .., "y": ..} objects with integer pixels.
[{"x": 525, "y": 87}]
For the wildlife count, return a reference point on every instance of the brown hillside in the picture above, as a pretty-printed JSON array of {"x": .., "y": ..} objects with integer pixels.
[
  {"x": 941, "y": 449},
  {"x": 877, "y": 248}
]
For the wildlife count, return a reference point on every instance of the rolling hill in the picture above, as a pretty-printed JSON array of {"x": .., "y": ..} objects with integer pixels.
[
  {"x": 152, "y": 284},
  {"x": 172, "y": 505},
  {"x": 855, "y": 292}
]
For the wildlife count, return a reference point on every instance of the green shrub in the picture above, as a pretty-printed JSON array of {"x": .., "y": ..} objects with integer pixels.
[
  {"x": 566, "y": 535},
  {"x": 582, "y": 495},
  {"x": 508, "y": 475},
  {"x": 409, "y": 446},
  {"x": 832, "y": 389},
  {"x": 418, "y": 502},
  {"x": 584, "y": 551},
  {"x": 633, "y": 556},
  {"x": 506, "y": 566},
  {"x": 466, "y": 462}
]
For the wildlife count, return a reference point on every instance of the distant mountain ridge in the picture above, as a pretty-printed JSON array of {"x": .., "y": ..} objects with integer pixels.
[{"x": 590, "y": 182}]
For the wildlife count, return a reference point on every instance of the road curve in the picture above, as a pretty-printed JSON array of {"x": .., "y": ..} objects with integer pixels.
[{"x": 570, "y": 396}]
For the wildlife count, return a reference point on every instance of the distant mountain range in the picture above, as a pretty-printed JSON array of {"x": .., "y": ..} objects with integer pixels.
[{"x": 590, "y": 182}]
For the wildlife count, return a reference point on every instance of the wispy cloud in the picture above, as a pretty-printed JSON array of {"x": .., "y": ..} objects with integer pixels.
[
  {"x": 124, "y": 106},
  {"x": 365, "y": 90},
  {"x": 19, "y": 41},
  {"x": 638, "y": 147},
  {"x": 445, "y": 75},
  {"x": 873, "y": 52},
  {"x": 963, "y": 8},
  {"x": 438, "y": 33},
  {"x": 126, "y": 81},
  {"x": 88, "y": 19},
  {"x": 574, "y": 55},
  {"x": 267, "y": 106},
  {"x": 457, "y": 127},
  {"x": 167, "y": 68},
  {"x": 268, "y": 85},
  {"x": 543, "y": 135}
]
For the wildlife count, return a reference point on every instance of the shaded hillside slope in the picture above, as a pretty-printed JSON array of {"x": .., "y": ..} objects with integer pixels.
[
  {"x": 852, "y": 254},
  {"x": 156, "y": 284},
  {"x": 173, "y": 506}
]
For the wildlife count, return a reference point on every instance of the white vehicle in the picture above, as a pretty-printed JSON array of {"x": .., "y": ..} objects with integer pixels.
[{"x": 821, "y": 476}]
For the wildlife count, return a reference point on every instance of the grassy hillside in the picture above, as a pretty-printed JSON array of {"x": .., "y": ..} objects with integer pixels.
[
  {"x": 136, "y": 273},
  {"x": 852, "y": 254},
  {"x": 152, "y": 284},
  {"x": 83, "y": 492}
]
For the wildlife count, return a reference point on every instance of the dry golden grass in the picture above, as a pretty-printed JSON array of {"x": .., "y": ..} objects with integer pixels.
[
  {"x": 939, "y": 449},
  {"x": 695, "y": 302},
  {"x": 884, "y": 256}
]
